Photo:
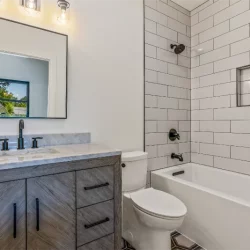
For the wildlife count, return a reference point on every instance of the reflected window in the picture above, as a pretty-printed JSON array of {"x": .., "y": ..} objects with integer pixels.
[{"x": 14, "y": 98}]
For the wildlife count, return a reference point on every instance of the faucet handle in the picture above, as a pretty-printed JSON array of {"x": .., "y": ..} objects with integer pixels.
[
  {"x": 173, "y": 135},
  {"x": 34, "y": 142},
  {"x": 5, "y": 144}
]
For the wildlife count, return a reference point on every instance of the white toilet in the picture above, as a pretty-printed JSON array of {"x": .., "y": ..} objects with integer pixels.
[{"x": 149, "y": 215}]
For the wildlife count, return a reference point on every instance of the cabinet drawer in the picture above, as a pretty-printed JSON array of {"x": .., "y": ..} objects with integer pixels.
[
  {"x": 94, "y": 186},
  {"x": 105, "y": 243},
  {"x": 94, "y": 222}
]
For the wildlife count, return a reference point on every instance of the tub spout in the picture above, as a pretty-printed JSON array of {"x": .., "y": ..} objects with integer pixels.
[{"x": 177, "y": 156}]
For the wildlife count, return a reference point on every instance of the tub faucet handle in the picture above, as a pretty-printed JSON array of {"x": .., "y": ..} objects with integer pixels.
[{"x": 173, "y": 135}]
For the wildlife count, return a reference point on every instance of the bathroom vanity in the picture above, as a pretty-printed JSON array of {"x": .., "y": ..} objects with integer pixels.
[{"x": 60, "y": 198}]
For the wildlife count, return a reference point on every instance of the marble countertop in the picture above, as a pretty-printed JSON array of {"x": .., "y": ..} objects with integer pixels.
[{"x": 55, "y": 154}]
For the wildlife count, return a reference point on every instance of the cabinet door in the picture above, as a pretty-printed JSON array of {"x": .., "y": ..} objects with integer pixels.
[
  {"x": 12, "y": 215},
  {"x": 51, "y": 212}
]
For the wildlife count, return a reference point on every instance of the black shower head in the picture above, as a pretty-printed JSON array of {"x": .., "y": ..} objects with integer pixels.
[{"x": 178, "y": 48}]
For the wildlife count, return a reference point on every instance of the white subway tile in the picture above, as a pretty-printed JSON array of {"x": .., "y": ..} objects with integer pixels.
[
  {"x": 194, "y": 19},
  {"x": 166, "y": 56},
  {"x": 155, "y": 114},
  {"x": 184, "y": 40},
  {"x": 184, "y": 61},
  {"x": 195, "y": 61},
  {"x": 231, "y": 37},
  {"x": 241, "y": 127},
  {"x": 215, "y": 55},
  {"x": 203, "y": 70},
  {"x": 177, "y": 26},
  {"x": 185, "y": 126},
  {"x": 150, "y": 126},
  {"x": 165, "y": 126},
  {"x": 177, "y": 115},
  {"x": 166, "y": 32},
  {"x": 242, "y": 140},
  {"x": 232, "y": 62},
  {"x": 214, "y": 32},
  {"x": 232, "y": 165},
  {"x": 232, "y": 11},
  {"x": 205, "y": 137},
  {"x": 184, "y": 148},
  {"x": 202, "y": 159},
  {"x": 177, "y": 92},
  {"x": 150, "y": 51},
  {"x": 157, "y": 163},
  {"x": 150, "y": 76},
  {"x": 240, "y": 20},
  {"x": 213, "y": 9},
  {"x": 167, "y": 10},
  {"x": 216, "y": 150},
  {"x": 156, "y": 139},
  {"x": 195, "y": 83},
  {"x": 201, "y": 7},
  {"x": 150, "y": 101},
  {"x": 215, "y": 126},
  {"x": 206, "y": 47},
  {"x": 184, "y": 104},
  {"x": 184, "y": 83},
  {"x": 202, "y": 26},
  {"x": 152, "y": 151},
  {"x": 202, "y": 115},
  {"x": 240, "y": 47},
  {"x": 234, "y": 1},
  {"x": 156, "y": 16},
  {"x": 151, "y": 3},
  {"x": 164, "y": 150},
  {"x": 195, "y": 40},
  {"x": 213, "y": 79},
  {"x": 240, "y": 153},
  {"x": 156, "y": 89},
  {"x": 185, "y": 19},
  {"x": 215, "y": 102},
  {"x": 167, "y": 79},
  {"x": 195, "y": 147},
  {"x": 225, "y": 89},
  {"x": 155, "y": 40},
  {"x": 202, "y": 93},
  {"x": 165, "y": 102},
  {"x": 157, "y": 65},
  {"x": 232, "y": 113},
  {"x": 195, "y": 104},
  {"x": 178, "y": 70},
  {"x": 150, "y": 26},
  {"x": 195, "y": 126},
  {"x": 188, "y": 31},
  {"x": 178, "y": 7}
]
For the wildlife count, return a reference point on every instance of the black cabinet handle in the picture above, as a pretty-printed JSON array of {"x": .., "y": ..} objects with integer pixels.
[
  {"x": 97, "y": 186},
  {"x": 37, "y": 215},
  {"x": 14, "y": 221},
  {"x": 97, "y": 223}
]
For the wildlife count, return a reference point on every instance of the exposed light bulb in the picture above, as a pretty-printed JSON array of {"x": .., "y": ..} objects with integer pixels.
[
  {"x": 63, "y": 16},
  {"x": 31, "y": 4}
]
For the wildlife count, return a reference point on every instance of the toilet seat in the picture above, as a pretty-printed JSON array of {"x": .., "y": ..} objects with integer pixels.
[{"x": 158, "y": 204}]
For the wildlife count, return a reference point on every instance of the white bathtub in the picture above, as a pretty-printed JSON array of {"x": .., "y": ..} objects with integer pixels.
[{"x": 218, "y": 204}]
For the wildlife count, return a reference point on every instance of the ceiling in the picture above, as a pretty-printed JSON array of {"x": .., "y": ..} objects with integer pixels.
[{"x": 189, "y": 4}]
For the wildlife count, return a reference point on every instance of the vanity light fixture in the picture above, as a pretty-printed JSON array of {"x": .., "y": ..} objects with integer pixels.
[
  {"x": 33, "y": 5},
  {"x": 63, "y": 5}
]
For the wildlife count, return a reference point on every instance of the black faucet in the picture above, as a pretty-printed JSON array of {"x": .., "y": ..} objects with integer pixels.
[
  {"x": 20, "y": 140},
  {"x": 177, "y": 156},
  {"x": 173, "y": 135}
]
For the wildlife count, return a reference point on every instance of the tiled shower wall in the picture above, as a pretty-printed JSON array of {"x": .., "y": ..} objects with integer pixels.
[
  {"x": 168, "y": 83},
  {"x": 220, "y": 130}
]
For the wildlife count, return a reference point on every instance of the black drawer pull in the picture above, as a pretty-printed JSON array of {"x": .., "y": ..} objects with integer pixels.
[
  {"x": 14, "y": 221},
  {"x": 97, "y": 223},
  {"x": 97, "y": 186},
  {"x": 37, "y": 215}
]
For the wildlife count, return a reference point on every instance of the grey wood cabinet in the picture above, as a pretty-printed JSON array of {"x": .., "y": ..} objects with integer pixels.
[
  {"x": 51, "y": 212},
  {"x": 12, "y": 215},
  {"x": 63, "y": 206}
]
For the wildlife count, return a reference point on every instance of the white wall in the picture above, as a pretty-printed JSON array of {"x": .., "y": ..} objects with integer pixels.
[
  {"x": 105, "y": 88},
  {"x": 220, "y": 130}
]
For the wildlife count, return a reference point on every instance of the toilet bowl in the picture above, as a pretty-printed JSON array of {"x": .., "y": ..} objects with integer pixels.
[{"x": 149, "y": 215}]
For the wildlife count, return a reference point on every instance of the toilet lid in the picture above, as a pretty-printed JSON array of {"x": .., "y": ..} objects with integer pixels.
[{"x": 158, "y": 203}]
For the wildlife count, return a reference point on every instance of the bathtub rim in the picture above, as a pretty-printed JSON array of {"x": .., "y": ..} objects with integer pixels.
[{"x": 167, "y": 173}]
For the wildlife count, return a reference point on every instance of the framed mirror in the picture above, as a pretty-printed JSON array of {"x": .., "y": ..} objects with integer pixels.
[{"x": 33, "y": 72}]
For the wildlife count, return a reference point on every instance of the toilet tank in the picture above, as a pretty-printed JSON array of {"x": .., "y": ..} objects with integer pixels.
[{"x": 134, "y": 171}]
